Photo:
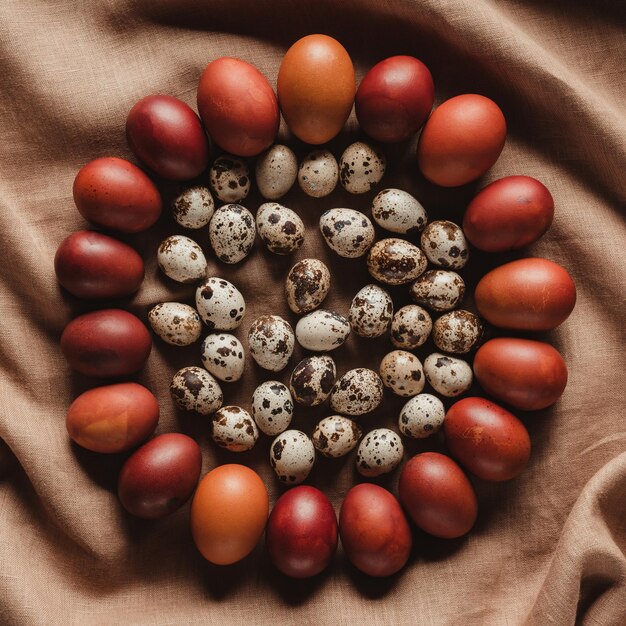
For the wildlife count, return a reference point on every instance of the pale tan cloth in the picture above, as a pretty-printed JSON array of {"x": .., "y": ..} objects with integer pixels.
[{"x": 548, "y": 547}]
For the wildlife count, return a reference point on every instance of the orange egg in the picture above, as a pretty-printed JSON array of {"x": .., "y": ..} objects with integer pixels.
[
  {"x": 316, "y": 88},
  {"x": 228, "y": 513}
]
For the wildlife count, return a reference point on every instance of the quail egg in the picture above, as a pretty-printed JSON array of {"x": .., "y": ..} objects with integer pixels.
[
  {"x": 177, "y": 324},
  {"x": 398, "y": 212},
  {"x": 438, "y": 290},
  {"x": 292, "y": 456},
  {"x": 312, "y": 380},
  {"x": 380, "y": 452},
  {"x": 410, "y": 327},
  {"x": 402, "y": 372},
  {"x": 280, "y": 228},
  {"x": 448, "y": 375},
  {"x": 336, "y": 435},
  {"x": 234, "y": 429},
  {"x": 271, "y": 341},
  {"x": 347, "y": 232},
  {"x": 357, "y": 392},
  {"x": 223, "y": 356},
  {"x": 395, "y": 261},
  {"x": 307, "y": 284},
  {"x": 371, "y": 312},
  {"x": 276, "y": 171},
  {"x": 272, "y": 407},
  {"x": 194, "y": 389},
  {"x": 194, "y": 207},
  {"x": 322, "y": 331},
  {"x": 361, "y": 167},
  {"x": 230, "y": 178},
  {"x": 422, "y": 416},
  {"x": 318, "y": 173},
  {"x": 445, "y": 245},
  {"x": 181, "y": 259},
  {"x": 457, "y": 331},
  {"x": 231, "y": 233},
  {"x": 220, "y": 304}
]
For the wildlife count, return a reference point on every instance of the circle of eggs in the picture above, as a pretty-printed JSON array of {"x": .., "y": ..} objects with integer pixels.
[
  {"x": 230, "y": 178},
  {"x": 194, "y": 389},
  {"x": 234, "y": 429},
  {"x": 181, "y": 259},
  {"x": 272, "y": 407},
  {"x": 194, "y": 207},
  {"x": 422, "y": 416},
  {"x": 380, "y": 452},
  {"x": 292, "y": 456}
]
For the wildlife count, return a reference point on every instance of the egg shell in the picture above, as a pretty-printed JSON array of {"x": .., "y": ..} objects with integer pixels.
[
  {"x": 402, "y": 373},
  {"x": 508, "y": 214},
  {"x": 276, "y": 171},
  {"x": 347, "y": 232},
  {"x": 301, "y": 535},
  {"x": 272, "y": 407},
  {"x": 160, "y": 476},
  {"x": 444, "y": 244},
  {"x": 438, "y": 290},
  {"x": 228, "y": 513},
  {"x": 230, "y": 178},
  {"x": 448, "y": 375},
  {"x": 398, "y": 212},
  {"x": 234, "y": 429},
  {"x": 312, "y": 380},
  {"x": 395, "y": 261},
  {"x": 307, "y": 285},
  {"x": 167, "y": 135},
  {"x": 527, "y": 374},
  {"x": 361, "y": 168},
  {"x": 280, "y": 228},
  {"x": 336, "y": 436},
  {"x": 106, "y": 343},
  {"x": 223, "y": 356},
  {"x": 437, "y": 495},
  {"x": 316, "y": 87},
  {"x": 194, "y": 389},
  {"x": 422, "y": 416},
  {"x": 177, "y": 324},
  {"x": 112, "y": 418},
  {"x": 357, "y": 392},
  {"x": 371, "y": 311},
  {"x": 488, "y": 440},
  {"x": 394, "y": 98},
  {"x": 527, "y": 294},
  {"x": 116, "y": 194},
  {"x": 318, "y": 173},
  {"x": 322, "y": 331},
  {"x": 410, "y": 327},
  {"x": 238, "y": 106},
  {"x": 193, "y": 207},
  {"x": 374, "y": 531},
  {"x": 380, "y": 452},
  {"x": 91, "y": 265},
  {"x": 181, "y": 259},
  {"x": 271, "y": 341},
  {"x": 292, "y": 456},
  {"x": 220, "y": 304},
  {"x": 457, "y": 332},
  {"x": 461, "y": 140},
  {"x": 232, "y": 233}
]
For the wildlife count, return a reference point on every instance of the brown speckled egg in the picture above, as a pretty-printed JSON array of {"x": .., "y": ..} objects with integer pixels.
[
  {"x": 336, "y": 436},
  {"x": 380, "y": 452},
  {"x": 347, "y": 232},
  {"x": 422, "y": 416},
  {"x": 395, "y": 261},
  {"x": 176, "y": 323},
  {"x": 223, "y": 356},
  {"x": 234, "y": 429},
  {"x": 361, "y": 167},
  {"x": 220, "y": 304},
  {"x": 271, "y": 341},
  {"x": 448, "y": 375},
  {"x": 438, "y": 290},
  {"x": 357, "y": 392},
  {"x": 272, "y": 407},
  {"x": 402, "y": 372},
  {"x": 312, "y": 380},
  {"x": 280, "y": 228},
  {"x": 457, "y": 331},
  {"x": 410, "y": 327},
  {"x": 231, "y": 233},
  {"x": 276, "y": 171},
  {"x": 318, "y": 173},
  {"x": 193, "y": 207},
  {"x": 371, "y": 312},
  {"x": 194, "y": 389},
  {"x": 181, "y": 259},
  {"x": 322, "y": 331},
  {"x": 230, "y": 178},
  {"x": 445, "y": 245},
  {"x": 398, "y": 212},
  {"x": 307, "y": 284},
  {"x": 292, "y": 456}
]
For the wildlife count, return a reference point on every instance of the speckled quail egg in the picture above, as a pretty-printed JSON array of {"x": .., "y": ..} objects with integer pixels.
[
  {"x": 194, "y": 207},
  {"x": 438, "y": 290},
  {"x": 380, "y": 452},
  {"x": 318, "y": 173},
  {"x": 457, "y": 331},
  {"x": 395, "y": 261},
  {"x": 322, "y": 331},
  {"x": 272, "y": 407},
  {"x": 312, "y": 380},
  {"x": 220, "y": 304},
  {"x": 276, "y": 171},
  {"x": 445, "y": 245},
  {"x": 194, "y": 389},
  {"x": 448, "y": 375},
  {"x": 371, "y": 312},
  {"x": 306, "y": 285},
  {"x": 234, "y": 429},
  {"x": 357, "y": 392},
  {"x": 410, "y": 327},
  {"x": 280, "y": 228},
  {"x": 398, "y": 212},
  {"x": 347, "y": 232},
  {"x": 292, "y": 456},
  {"x": 361, "y": 167},
  {"x": 223, "y": 356},
  {"x": 230, "y": 178},
  {"x": 402, "y": 372},
  {"x": 231, "y": 233},
  {"x": 177, "y": 324},
  {"x": 422, "y": 416},
  {"x": 181, "y": 259},
  {"x": 271, "y": 341},
  {"x": 336, "y": 435}
]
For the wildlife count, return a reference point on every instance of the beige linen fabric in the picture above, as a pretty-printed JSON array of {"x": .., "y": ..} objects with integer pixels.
[{"x": 548, "y": 547}]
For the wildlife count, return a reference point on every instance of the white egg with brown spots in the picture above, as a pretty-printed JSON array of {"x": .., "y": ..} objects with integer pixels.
[
  {"x": 448, "y": 375},
  {"x": 347, "y": 232},
  {"x": 220, "y": 304},
  {"x": 232, "y": 233},
  {"x": 457, "y": 332},
  {"x": 422, "y": 416},
  {"x": 292, "y": 457},
  {"x": 380, "y": 452},
  {"x": 444, "y": 244},
  {"x": 307, "y": 285},
  {"x": 402, "y": 373},
  {"x": 399, "y": 212},
  {"x": 194, "y": 389},
  {"x": 230, "y": 178},
  {"x": 223, "y": 356},
  {"x": 322, "y": 331},
  {"x": 181, "y": 259},
  {"x": 438, "y": 290},
  {"x": 276, "y": 171},
  {"x": 176, "y": 323},
  {"x": 336, "y": 436},
  {"x": 395, "y": 261},
  {"x": 361, "y": 167},
  {"x": 271, "y": 341},
  {"x": 371, "y": 312},
  {"x": 357, "y": 392},
  {"x": 272, "y": 407},
  {"x": 280, "y": 228},
  {"x": 194, "y": 207},
  {"x": 318, "y": 173},
  {"x": 234, "y": 429},
  {"x": 312, "y": 380},
  {"x": 410, "y": 327}
]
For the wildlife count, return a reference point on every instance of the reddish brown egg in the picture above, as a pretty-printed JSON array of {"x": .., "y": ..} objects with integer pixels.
[
  {"x": 462, "y": 139},
  {"x": 529, "y": 375},
  {"x": 485, "y": 438},
  {"x": 374, "y": 531},
  {"x": 168, "y": 137},
  {"x": 92, "y": 265},
  {"x": 316, "y": 87},
  {"x": 112, "y": 418},
  {"x": 160, "y": 476},
  {"x": 301, "y": 535},
  {"x": 106, "y": 343},
  {"x": 528, "y": 294},
  {"x": 238, "y": 106},
  {"x": 437, "y": 495},
  {"x": 394, "y": 98},
  {"x": 116, "y": 194}
]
